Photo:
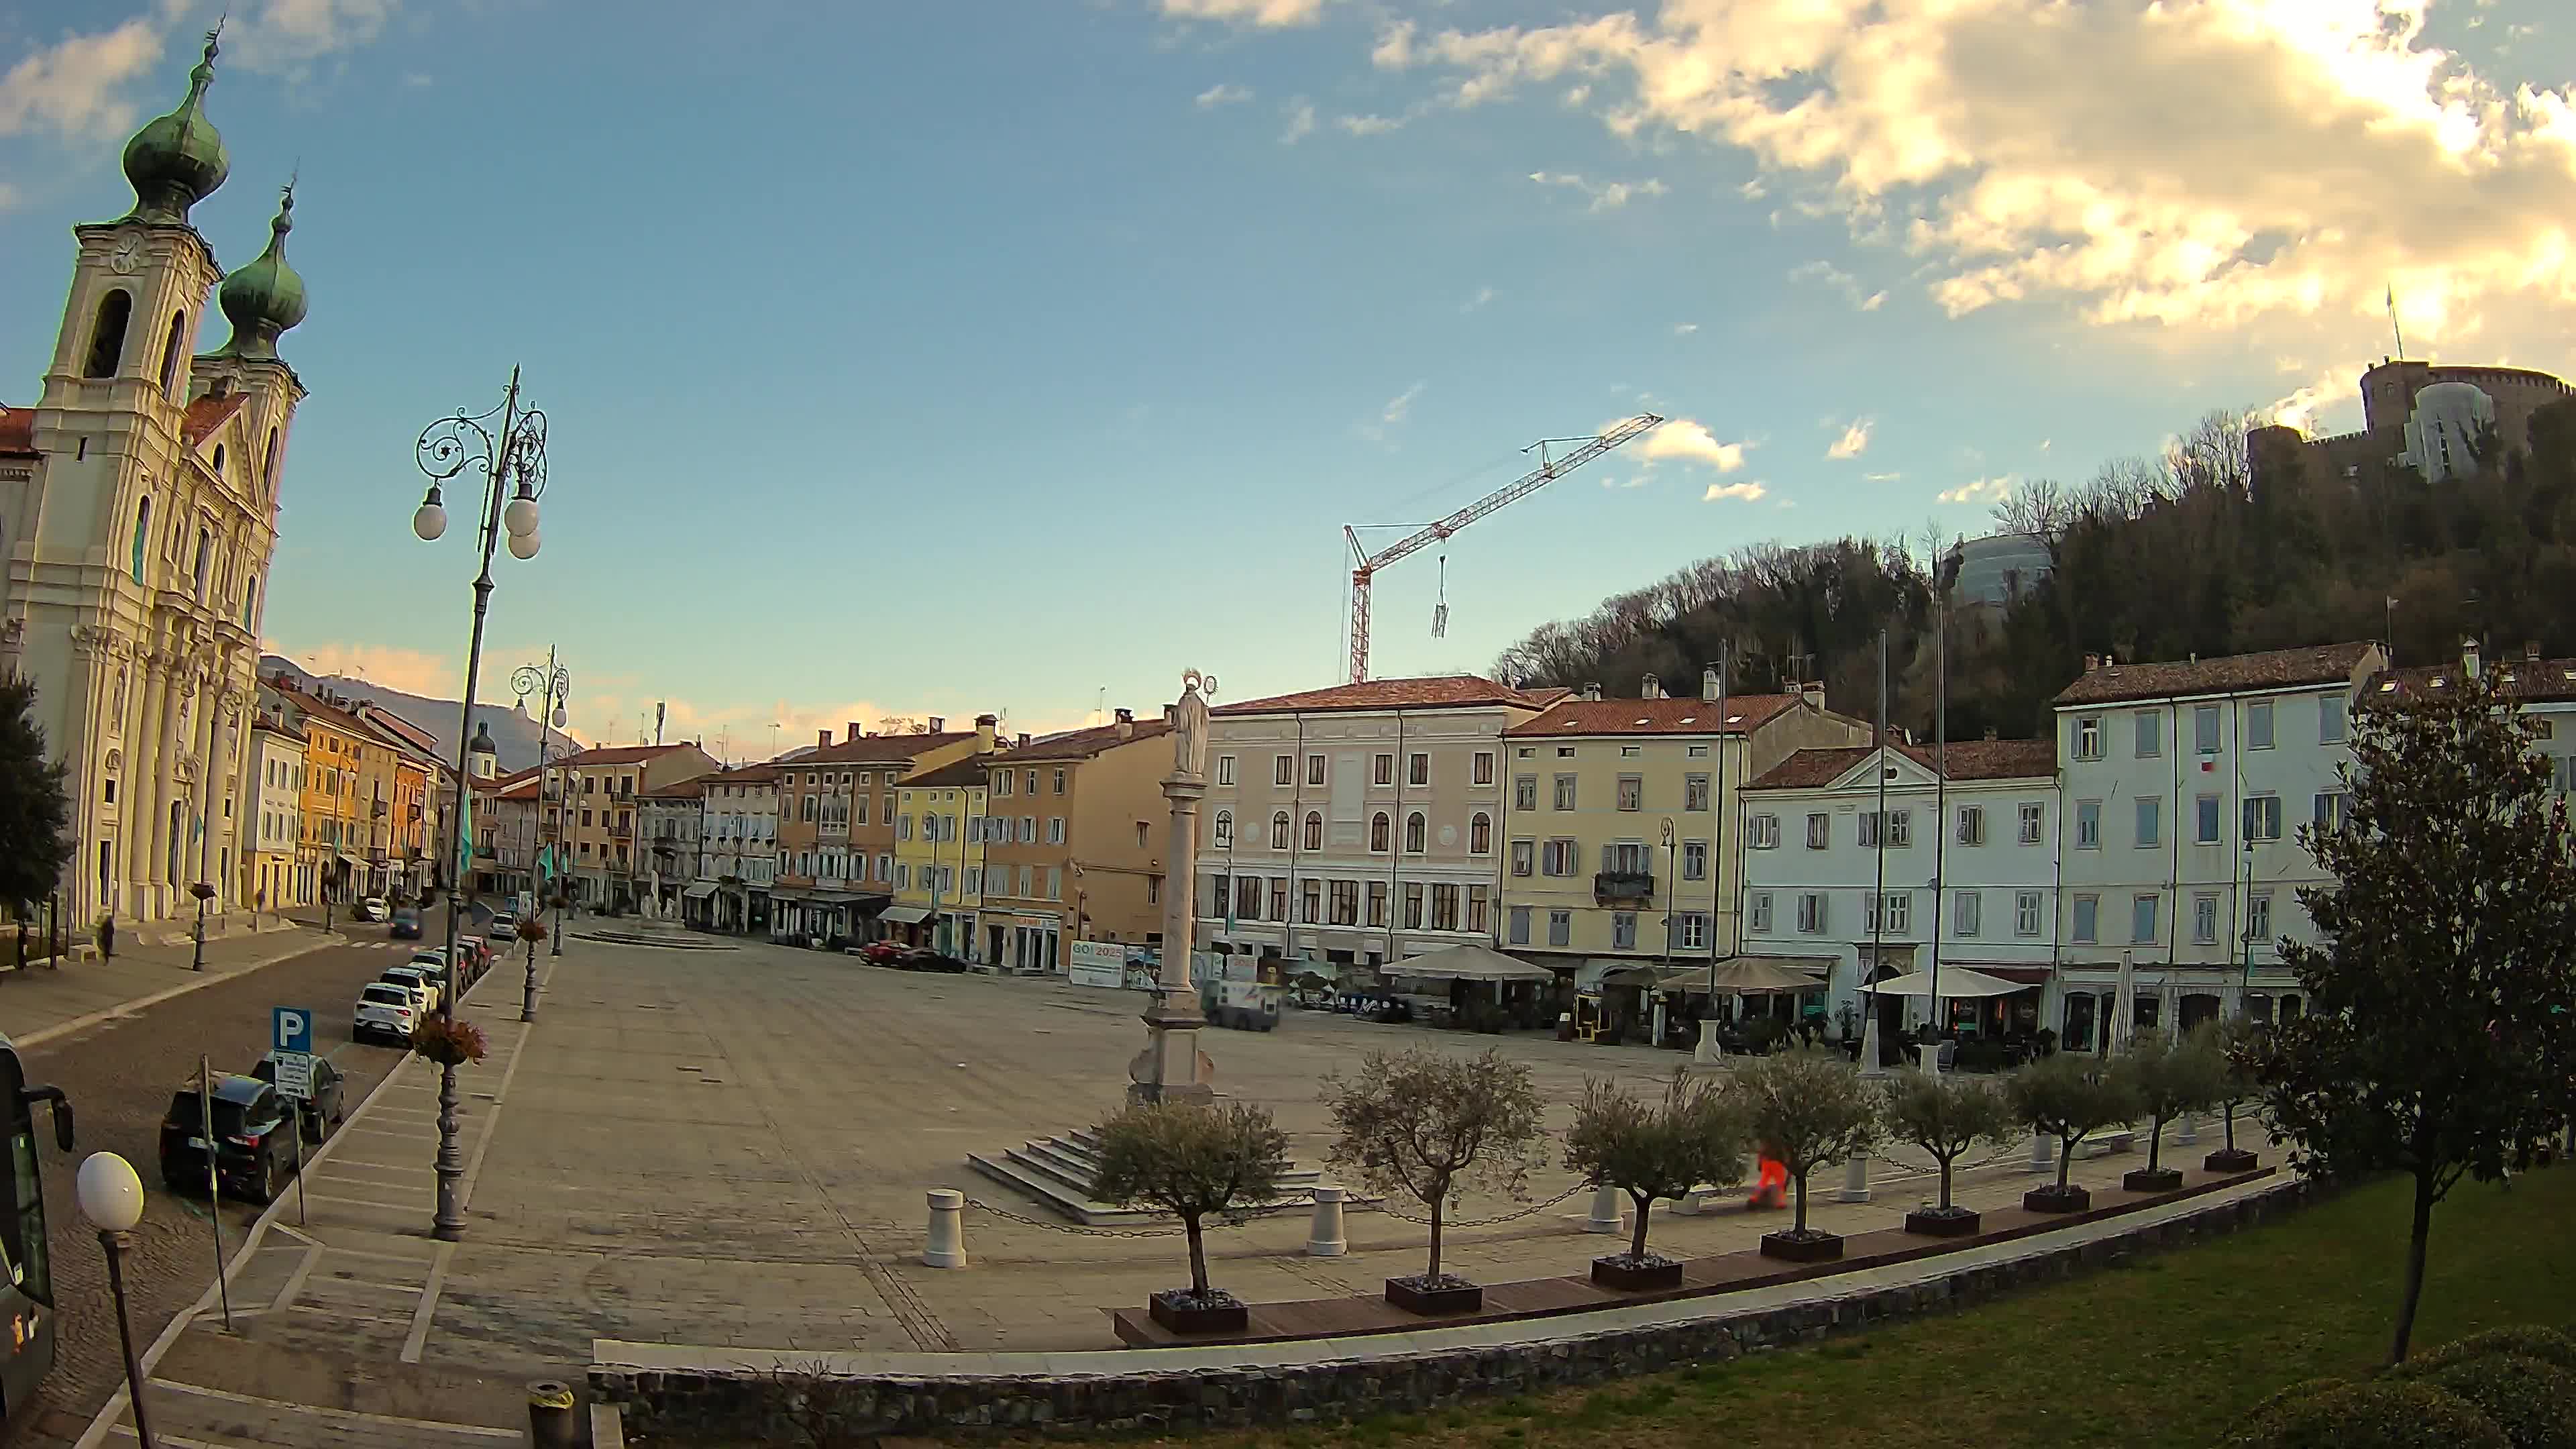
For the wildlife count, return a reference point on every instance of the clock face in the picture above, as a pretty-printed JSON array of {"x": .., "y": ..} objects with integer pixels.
[{"x": 128, "y": 256}]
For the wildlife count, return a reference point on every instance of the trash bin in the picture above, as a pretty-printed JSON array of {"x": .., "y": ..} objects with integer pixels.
[{"x": 1565, "y": 1026}]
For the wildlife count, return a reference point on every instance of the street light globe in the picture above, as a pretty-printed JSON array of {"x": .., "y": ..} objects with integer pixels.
[
  {"x": 523, "y": 545},
  {"x": 562, "y": 717},
  {"x": 521, "y": 516},
  {"x": 429, "y": 522},
  {"x": 111, "y": 1196}
]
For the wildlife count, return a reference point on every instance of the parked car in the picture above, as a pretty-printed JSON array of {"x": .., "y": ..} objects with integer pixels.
[
  {"x": 323, "y": 1110},
  {"x": 422, "y": 980},
  {"x": 374, "y": 908},
  {"x": 253, "y": 1154},
  {"x": 386, "y": 1009},
  {"x": 505, "y": 927},
  {"x": 922, "y": 958},
  {"x": 406, "y": 924},
  {"x": 477, "y": 957},
  {"x": 880, "y": 953}
]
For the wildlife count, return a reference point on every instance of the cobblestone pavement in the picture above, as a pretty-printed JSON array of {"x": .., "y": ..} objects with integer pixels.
[{"x": 119, "y": 1075}]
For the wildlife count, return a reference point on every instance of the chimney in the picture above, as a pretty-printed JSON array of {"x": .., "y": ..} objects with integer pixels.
[
  {"x": 1126, "y": 724},
  {"x": 1650, "y": 688},
  {"x": 938, "y": 724},
  {"x": 1708, "y": 685},
  {"x": 1024, "y": 739},
  {"x": 851, "y": 731},
  {"x": 985, "y": 725},
  {"x": 2531, "y": 650},
  {"x": 1990, "y": 733},
  {"x": 2469, "y": 658},
  {"x": 1814, "y": 690},
  {"x": 1592, "y": 691},
  {"x": 2092, "y": 663},
  {"x": 822, "y": 739}
]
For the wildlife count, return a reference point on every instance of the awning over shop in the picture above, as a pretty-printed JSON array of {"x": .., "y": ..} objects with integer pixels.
[
  {"x": 352, "y": 861},
  {"x": 1957, "y": 983},
  {"x": 2026, "y": 975},
  {"x": 1755, "y": 975},
  {"x": 904, "y": 915},
  {"x": 698, "y": 890},
  {"x": 1614, "y": 972},
  {"x": 1467, "y": 963}
]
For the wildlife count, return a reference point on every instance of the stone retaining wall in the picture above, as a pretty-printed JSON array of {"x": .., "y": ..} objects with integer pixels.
[{"x": 816, "y": 1405}]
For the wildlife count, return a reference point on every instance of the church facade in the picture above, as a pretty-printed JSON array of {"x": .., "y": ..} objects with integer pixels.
[{"x": 138, "y": 518}]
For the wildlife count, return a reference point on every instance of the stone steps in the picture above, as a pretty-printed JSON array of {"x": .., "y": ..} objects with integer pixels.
[{"x": 1057, "y": 1172}]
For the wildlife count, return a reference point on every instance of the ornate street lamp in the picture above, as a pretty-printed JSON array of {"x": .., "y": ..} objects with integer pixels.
[
  {"x": 554, "y": 683},
  {"x": 513, "y": 464}
]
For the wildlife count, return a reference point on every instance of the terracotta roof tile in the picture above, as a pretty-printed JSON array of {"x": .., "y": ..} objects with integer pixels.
[
  {"x": 17, "y": 431},
  {"x": 1446, "y": 691},
  {"x": 1743, "y": 712},
  {"x": 619, "y": 754},
  {"x": 207, "y": 414},
  {"x": 875, "y": 749},
  {"x": 956, "y": 773},
  {"x": 1083, "y": 744},
  {"x": 1968, "y": 760},
  {"x": 2530, "y": 680},
  {"x": 760, "y": 774},
  {"x": 2274, "y": 669}
]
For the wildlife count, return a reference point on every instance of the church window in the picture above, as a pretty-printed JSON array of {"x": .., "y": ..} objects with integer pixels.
[
  {"x": 107, "y": 336},
  {"x": 268, "y": 462},
  {"x": 142, "y": 535},
  {"x": 219, "y": 460},
  {"x": 250, "y": 601},
  {"x": 205, "y": 557},
  {"x": 170, "y": 353}
]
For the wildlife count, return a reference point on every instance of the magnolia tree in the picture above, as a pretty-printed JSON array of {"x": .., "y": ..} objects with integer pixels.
[
  {"x": 1194, "y": 1161},
  {"x": 1807, "y": 1109},
  {"x": 1430, "y": 1125},
  {"x": 1947, "y": 1115},
  {"x": 2441, "y": 1029},
  {"x": 2069, "y": 1097},
  {"x": 2168, "y": 1076},
  {"x": 1656, "y": 1149}
]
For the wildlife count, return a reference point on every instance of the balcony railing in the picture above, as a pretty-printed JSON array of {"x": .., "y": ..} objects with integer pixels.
[{"x": 1623, "y": 887}]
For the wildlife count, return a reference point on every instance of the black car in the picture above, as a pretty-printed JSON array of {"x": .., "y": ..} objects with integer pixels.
[
  {"x": 253, "y": 1151},
  {"x": 323, "y": 1110}
]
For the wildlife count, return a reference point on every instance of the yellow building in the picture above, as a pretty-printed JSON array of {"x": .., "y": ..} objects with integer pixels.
[
  {"x": 1618, "y": 820},
  {"x": 1075, "y": 848},
  {"x": 939, "y": 854},
  {"x": 332, "y": 834}
]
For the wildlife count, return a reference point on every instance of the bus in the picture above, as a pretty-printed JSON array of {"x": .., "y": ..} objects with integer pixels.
[{"x": 27, "y": 1297}]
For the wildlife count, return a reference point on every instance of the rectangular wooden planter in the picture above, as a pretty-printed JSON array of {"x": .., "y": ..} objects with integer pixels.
[
  {"x": 1933, "y": 1223},
  {"x": 1409, "y": 1295},
  {"x": 2159, "y": 1179},
  {"x": 1616, "y": 1271},
  {"x": 1231, "y": 1316},
  {"x": 2229, "y": 1159},
  {"x": 2053, "y": 1199},
  {"x": 1821, "y": 1248}
]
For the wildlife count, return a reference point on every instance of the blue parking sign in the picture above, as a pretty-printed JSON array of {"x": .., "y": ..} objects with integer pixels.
[{"x": 290, "y": 1029}]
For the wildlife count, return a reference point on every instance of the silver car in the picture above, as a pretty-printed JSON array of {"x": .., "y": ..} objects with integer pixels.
[{"x": 385, "y": 1010}]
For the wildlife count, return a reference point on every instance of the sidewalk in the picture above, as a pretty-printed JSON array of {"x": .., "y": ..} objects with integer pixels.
[{"x": 41, "y": 1003}]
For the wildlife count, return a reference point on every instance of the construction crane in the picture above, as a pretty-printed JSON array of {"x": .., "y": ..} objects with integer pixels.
[{"x": 1364, "y": 565}]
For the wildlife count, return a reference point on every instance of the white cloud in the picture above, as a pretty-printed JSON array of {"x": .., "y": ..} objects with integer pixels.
[
  {"x": 1853, "y": 442},
  {"x": 284, "y": 35},
  {"x": 1692, "y": 442},
  {"x": 1224, "y": 93},
  {"x": 1394, "y": 50},
  {"x": 1400, "y": 405},
  {"x": 1982, "y": 490},
  {"x": 1743, "y": 492},
  {"x": 2301, "y": 407},
  {"x": 1249, "y": 12},
  {"x": 413, "y": 671},
  {"x": 1684, "y": 329},
  {"x": 1638, "y": 480},
  {"x": 1861, "y": 298},
  {"x": 75, "y": 87},
  {"x": 1368, "y": 125},
  {"x": 1604, "y": 196},
  {"x": 1880, "y": 477},
  {"x": 1477, "y": 302},
  {"x": 2197, "y": 164},
  {"x": 1301, "y": 122}
]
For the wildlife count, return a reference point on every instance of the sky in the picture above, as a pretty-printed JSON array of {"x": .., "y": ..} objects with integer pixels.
[{"x": 1015, "y": 355}]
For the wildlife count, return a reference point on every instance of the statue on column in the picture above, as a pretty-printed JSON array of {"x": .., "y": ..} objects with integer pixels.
[{"x": 1189, "y": 716}]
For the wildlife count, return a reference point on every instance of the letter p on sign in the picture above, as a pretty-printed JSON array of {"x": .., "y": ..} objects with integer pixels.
[{"x": 290, "y": 1029}]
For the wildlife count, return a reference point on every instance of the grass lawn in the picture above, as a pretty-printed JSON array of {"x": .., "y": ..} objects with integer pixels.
[{"x": 2158, "y": 1353}]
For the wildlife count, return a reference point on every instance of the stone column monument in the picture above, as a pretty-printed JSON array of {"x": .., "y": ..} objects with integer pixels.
[{"x": 1172, "y": 1068}]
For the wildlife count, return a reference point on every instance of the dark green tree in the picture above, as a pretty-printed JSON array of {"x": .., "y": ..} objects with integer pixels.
[
  {"x": 2438, "y": 1037},
  {"x": 35, "y": 811}
]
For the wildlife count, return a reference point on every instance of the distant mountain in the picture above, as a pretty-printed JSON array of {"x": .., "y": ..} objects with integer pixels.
[{"x": 514, "y": 735}]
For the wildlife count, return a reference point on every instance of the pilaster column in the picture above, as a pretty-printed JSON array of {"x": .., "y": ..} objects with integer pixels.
[{"x": 146, "y": 818}]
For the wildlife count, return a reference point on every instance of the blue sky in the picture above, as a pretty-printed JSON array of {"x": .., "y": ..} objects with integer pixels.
[{"x": 930, "y": 359}]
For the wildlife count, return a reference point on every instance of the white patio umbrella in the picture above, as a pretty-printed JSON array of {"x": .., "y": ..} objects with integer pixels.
[
  {"x": 1958, "y": 983},
  {"x": 2124, "y": 1006}
]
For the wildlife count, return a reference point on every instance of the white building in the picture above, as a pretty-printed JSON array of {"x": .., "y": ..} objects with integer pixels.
[
  {"x": 138, "y": 501},
  {"x": 1310, "y": 847},
  {"x": 2185, "y": 785},
  {"x": 739, "y": 858},
  {"x": 1960, "y": 870}
]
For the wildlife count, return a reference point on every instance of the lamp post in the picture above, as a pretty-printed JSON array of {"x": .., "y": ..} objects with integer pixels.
[
  {"x": 1672, "y": 888},
  {"x": 513, "y": 464},
  {"x": 111, "y": 1197},
  {"x": 555, "y": 683},
  {"x": 204, "y": 893}
]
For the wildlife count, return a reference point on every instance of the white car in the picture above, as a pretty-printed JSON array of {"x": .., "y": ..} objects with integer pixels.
[
  {"x": 385, "y": 1009},
  {"x": 505, "y": 927},
  {"x": 422, "y": 981},
  {"x": 374, "y": 908}
]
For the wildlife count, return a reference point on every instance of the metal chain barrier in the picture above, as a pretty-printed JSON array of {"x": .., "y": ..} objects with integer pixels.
[
  {"x": 1445, "y": 1224},
  {"x": 1076, "y": 1229}
]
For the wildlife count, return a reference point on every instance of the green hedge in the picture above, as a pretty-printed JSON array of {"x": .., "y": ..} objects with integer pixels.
[
  {"x": 2526, "y": 1340},
  {"x": 2383, "y": 1415},
  {"x": 2534, "y": 1403},
  {"x": 2506, "y": 1388}
]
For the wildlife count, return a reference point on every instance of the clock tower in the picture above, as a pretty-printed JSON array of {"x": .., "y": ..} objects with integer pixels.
[{"x": 138, "y": 505}]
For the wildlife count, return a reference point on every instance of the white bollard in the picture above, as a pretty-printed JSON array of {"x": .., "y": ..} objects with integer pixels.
[
  {"x": 1325, "y": 1239},
  {"x": 1688, "y": 1204},
  {"x": 1605, "y": 1212},
  {"x": 1931, "y": 1058},
  {"x": 2043, "y": 1153},
  {"x": 1855, "y": 1186},
  {"x": 2190, "y": 1132},
  {"x": 947, "y": 1229},
  {"x": 1708, "y": 1050}
]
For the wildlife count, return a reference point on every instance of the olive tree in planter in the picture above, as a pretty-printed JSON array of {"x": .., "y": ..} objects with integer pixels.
[
  {"x": 1808, "y": 1109},
  {"x": 2168, "y": 1076},
  {"x": 2068, "y": 1097},
  {"x": 1651, "y": 1150},
  {"x": 1430, "y": 1125},
  {"x": 1946, "y": 1115},
  {"x": 1194, "y": 1161},
  {"x": 2236, "y": 1043}
]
